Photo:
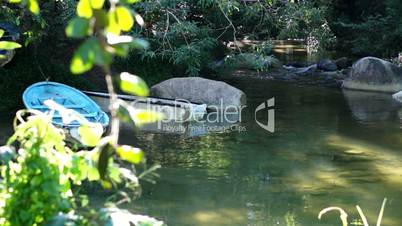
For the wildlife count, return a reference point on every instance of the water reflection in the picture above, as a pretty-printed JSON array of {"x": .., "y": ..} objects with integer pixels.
[
  {"x": 371, "y": 106},
  {"x": 213, "y": 122}
]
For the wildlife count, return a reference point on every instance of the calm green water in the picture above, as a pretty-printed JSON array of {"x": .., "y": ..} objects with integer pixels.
[
  {"x": 322, "y": 154},
  {"x": 328, "y": 150}
]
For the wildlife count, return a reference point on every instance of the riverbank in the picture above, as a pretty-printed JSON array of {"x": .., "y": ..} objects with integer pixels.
[{"x": 315, "y": 78}]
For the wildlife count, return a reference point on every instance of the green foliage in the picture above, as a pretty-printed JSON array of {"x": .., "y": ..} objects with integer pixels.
[
  {"x": 251, "y": 61},
  {"x": 37, "y": 187},
  {"x": 38, "y": 184},
  {"x": 133, "y": 84},
  {"x": 258, "y": 58},
  {"x": 379, "y": 21},
  {"x": 304, "y": 20},
  {"x": 177, "y": 35},
  {"x": 90, "y": 134},
  {"x": 78, "y": 28},
  {"x": 8, "y": 45},
  {"x": 180, "y": 35},
  {"x": 130, "y": 154},
  {"x": 382, "y": 38},
  {"x": 33, "y": 183}
]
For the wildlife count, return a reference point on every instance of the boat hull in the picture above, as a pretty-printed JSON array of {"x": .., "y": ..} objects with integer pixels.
[
  {"x": 65, "y": 97},
  {"x": 173, "y": 110}
]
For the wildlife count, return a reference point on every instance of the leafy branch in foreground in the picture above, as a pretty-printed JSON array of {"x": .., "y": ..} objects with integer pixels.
[
  {"x": 41, "y": 173},
  {"x": 7, "y": 45}
]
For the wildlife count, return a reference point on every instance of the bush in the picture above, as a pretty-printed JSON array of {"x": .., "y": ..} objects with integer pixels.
[
  {"x": 251, "y": 61},
  {"x": 381, "y": 39},
  {"x": 305, "y": 21}
]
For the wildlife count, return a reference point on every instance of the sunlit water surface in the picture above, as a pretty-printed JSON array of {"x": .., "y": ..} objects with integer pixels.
[{"x": 329, "y": 149}]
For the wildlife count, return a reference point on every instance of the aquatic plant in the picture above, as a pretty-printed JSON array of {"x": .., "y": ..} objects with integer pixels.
[{"x": 344, "y": 216}]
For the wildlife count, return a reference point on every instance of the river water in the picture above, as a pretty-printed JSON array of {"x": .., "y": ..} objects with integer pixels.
[{"x": 329, "y": 148}]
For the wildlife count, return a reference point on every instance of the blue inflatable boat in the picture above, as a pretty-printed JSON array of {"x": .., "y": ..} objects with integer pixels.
[{"x": 68, "y": 97}]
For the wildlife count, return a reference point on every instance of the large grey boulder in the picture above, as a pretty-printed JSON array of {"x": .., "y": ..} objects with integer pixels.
[
  {"x": 215, "y": 94},
  {"x": 373, "y": 74}
]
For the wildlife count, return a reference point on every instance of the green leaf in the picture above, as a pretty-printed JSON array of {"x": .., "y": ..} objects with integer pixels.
[
  {"x": 77, "y": 27},
  {"x": 101, "y": 18},
  {"x": 14, "y": 1},
  {"x": 1, "y": 33},
  {"x": 130, "y": 154},
  {"x": 133, "y": 84},
  {"x": 122, "y": 44},
  {"x": 121, "y": 49},
  {"x": 93, "y": 174},
  {"x": 124, "y": 114},
  {"x": 33, "y": 6},
  {"x": 113, "y": 26},
  {"x": 84, "y": 58},
  {"x": 130, "y": 1},
  {"x": 97, "y": 4},
  {"x": 9, "y": 45},
  {"x": 101, "y": 56},
  {"x": 138, "y": 117},
  {"x": 139, "y": 43},
  {"x": 106, "y": 184},
  {"x": 124, "y": 18},
  {"x": 142, "y": 117},
  {"x": 90, "y": 135},
  {"x": 103, "y": 160},
  {"x": 84, "y": 9}
]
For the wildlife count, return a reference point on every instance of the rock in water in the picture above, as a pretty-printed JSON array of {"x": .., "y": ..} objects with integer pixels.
[
  {"x": 327, "y": 65},
  {"x": 342, "y": 63},
  {"x": 398, "y": 96},
  {"x": 306, "y": 70},
  {"x": 199, "y": 90},
  {"x": 373, "y": 74}
]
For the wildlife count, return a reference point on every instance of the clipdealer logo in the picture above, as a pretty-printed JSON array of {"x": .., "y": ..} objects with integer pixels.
[
  {"x": 268, "y": 106},
  {"x": 219, "y": 117}
]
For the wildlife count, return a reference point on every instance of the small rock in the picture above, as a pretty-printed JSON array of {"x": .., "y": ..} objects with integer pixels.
[
  {"x": 296, "y": 64},
  {"x": 306, "y": 70},
  {"x": 342, "y": 63},
  {"x": 327, "y": 65}
]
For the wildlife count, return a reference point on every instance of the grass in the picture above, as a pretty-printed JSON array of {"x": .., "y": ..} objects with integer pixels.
[{"x": 344, "y": 216}]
